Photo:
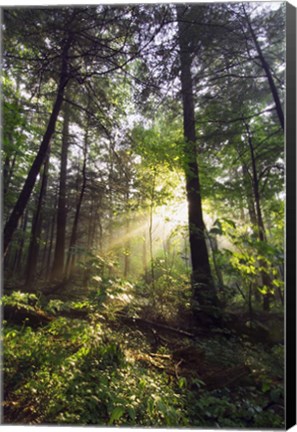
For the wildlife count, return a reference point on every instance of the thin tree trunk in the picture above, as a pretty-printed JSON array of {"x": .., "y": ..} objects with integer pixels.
[
  {"x": 267, "y": 70},
  {"x": 90, "y": 224},
  {"x": 248, "y": 185},
  {"x": 19, "y": 254},
  {"x": 8, "y": 172},
  {"x": 110, "y": 193},
  {"x": 144, "y": 254},
  {"x": 44, "y": 251},
  {"x": 202, "y": 283},
  {"x": 52, "y": 235},
  {"x": 25, "y": 194},
  {"x": 151, "y": 235},
  {"x": 127, "y": 246},
  {"x": 214, "y": 249},
  {"x": 73, "y": 238},
  {"x": 59, "y": 257},
  {"x": 36, "y": 229},
  {"x": 249, "y": 195},
  {"x": 260, "y": 224}
]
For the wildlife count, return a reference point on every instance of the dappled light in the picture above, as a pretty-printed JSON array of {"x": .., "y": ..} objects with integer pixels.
[{"x": 143, "y": 213}]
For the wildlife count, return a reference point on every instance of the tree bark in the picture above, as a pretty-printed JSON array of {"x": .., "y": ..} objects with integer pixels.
[
  {"x": 59, "y": 256},
  {"x": 202, "y": 283},
  {"x": 73, "y": 238},
  {"x": 151, "y": 214},
  {"x": 25, "y": 194},
  {"x": 249, "y": 195},
  {"x": 51, "y": 241},
  {"x": 127, "y": 245},
  {"x": 19, "y": 253},
  {"x": 267, "y": 70},
  {"x": 8, "y": 172},
  {"x": 36, "y": 229},
  {"x": 260, "y": 223}
]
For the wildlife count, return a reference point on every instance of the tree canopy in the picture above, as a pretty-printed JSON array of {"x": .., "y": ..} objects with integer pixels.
[{"x": 143, "y": 183}]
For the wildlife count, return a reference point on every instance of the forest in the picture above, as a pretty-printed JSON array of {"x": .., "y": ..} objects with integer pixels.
[{"x": 143, "y": 215}]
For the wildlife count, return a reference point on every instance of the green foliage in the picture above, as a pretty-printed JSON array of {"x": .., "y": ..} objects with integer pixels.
[
  {"x": 160, "y": 146},
  {"x": 20, "y": 299},
  {"x": 246, "y": 259},
  {"x": 226, "y": 410},
  {"x": 82, "y": 372},
  {"x": 85, "y": 367},
  {"x": 76, "y": 373}
]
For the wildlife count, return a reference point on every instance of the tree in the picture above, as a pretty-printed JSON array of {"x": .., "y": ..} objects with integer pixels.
[
  {"x": 265, "y": 66},
  {"x": 73, "y": 237},
  {"x": 22, "y": 201},
  {"x": 35, "y": 239},
  {"x": 153, "y": 93},
  {"x": 203, "y": 286},
  {"x": 58, "y": 264}
]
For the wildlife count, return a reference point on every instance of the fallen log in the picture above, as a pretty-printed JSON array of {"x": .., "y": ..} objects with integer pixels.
[
  {"x": 151, "y": 324},
  {"x": 25, "y": 316}
]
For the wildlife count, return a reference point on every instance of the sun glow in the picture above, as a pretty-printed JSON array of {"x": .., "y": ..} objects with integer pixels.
[
  {"x": 168, "y": 217},
  {"x": 167, "y": 220}
]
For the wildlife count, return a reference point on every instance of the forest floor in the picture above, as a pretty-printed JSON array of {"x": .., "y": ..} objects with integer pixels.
[{"x": 68, "y": 362}]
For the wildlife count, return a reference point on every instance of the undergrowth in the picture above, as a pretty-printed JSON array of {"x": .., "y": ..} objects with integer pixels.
[{"x": 87, "y": 372}]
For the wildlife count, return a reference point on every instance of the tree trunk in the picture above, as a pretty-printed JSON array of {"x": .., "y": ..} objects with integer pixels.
[
  {"x": 8, "y": 172},
  {"x": 59, "y": 257},
  {"x": 151, "y": 214},
  {"x": 214, "y": 248},
  {"x": 127, "y": 246},
  {"x": 71, "y": 252},
  {"x": 48, "y": 260},
  {"x": 202, "y": 283},
  {"x": 260, "y": 224},
  {"x": 19, "y": 253},
  {"x": 266, "y": 68},
  {"x": 90, "y": 223},
  {"x": 25, "y": 194},
  {"x": 36, "y": 229},
  {"x": 110, "y": 194},
  {"x": 249, "y": 195},
  {"x": 44, "y": 251}
]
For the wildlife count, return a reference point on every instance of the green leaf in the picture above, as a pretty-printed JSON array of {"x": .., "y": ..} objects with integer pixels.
[
  {"x": 132, "y": 413},
  {"x": 275, "y": 395},
  {"x": 216, "y": 231},
  {"x": 229, "y": 222},
  {"x": 116, "y": 414},
  {"x": 182, "y": 382},
  {"x": 265, "y": 387}
]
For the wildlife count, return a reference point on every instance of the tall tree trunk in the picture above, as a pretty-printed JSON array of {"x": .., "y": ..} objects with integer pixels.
[
  {"x": 19, "y": 253},
  {"x": 90, "y": 224},
  {"x": 8, "y": 169},
  {"x": 59, "y": 257},
  {"x": 25, "y": 194},
  {"x": 51, "y": 241},
  {"x": 248, "y": 186},
  {"x": 127, "y": 246},
  {"x": 151, "y": 213},
  {"x": 267, "y": 70},
  {"x": 247, "y": 181},
  {"x": 110, "y": 193},
  {"x": 71, "y": 253},
  {"x": 36, "y": 229},
  {"x": 255, "y": 182},
  {"x": 214, "y": 249},
  {"x": 44, "y": 250},
  {"x": 260, "y": 223},
  {"x": 203, "y": 287},
  {"x": 144, "y": 253}
]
